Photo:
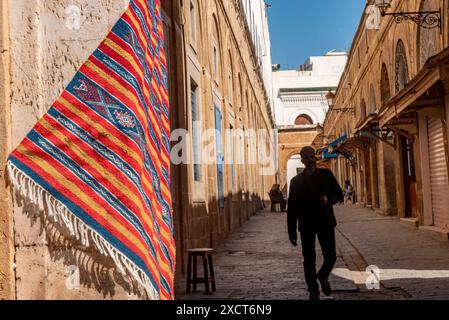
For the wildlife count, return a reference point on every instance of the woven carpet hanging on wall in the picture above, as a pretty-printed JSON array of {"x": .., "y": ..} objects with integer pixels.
[{"x": 97, "y": 164}]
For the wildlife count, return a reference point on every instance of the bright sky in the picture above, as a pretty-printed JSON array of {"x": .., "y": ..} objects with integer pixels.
[{"x": 303, "y": 28}]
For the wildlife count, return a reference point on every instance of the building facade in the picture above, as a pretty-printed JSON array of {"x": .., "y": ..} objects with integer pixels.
[
  {"x": 301, "y": 94},
  {"x": 225, "y": 90},
  {"x": 258, "y": 27},
  {"x": 389, "y": 125},
  {"x": 215, "y": 81},
  {"x": 301, "y": 107}
]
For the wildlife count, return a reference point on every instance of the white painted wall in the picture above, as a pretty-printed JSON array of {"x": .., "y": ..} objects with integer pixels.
[
  {"x": 257, "y": 18},
  {"x": 322, "y": 72}
]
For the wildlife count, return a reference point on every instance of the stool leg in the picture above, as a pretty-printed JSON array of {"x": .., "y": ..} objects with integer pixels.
[
  {"x": 212, "y": 273},
  {"x": 189, "y": 273},
  {"x": 206, "y": 274},
  {"x": 195, "y": 274}
]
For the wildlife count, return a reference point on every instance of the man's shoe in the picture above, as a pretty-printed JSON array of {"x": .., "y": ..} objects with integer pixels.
[
  {"x": 325, "y": 287},
  {"x": 314, "y": 296}
]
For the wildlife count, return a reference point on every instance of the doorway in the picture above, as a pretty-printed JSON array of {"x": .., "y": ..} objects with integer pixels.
[
  {"x": 369, "y": 194},
  {"x": 294, "y": 167},
  {"x": 375, "y": 171},
  {"x": 409, "y": 176}
]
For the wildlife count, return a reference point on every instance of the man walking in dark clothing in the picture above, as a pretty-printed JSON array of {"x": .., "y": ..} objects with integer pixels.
[{"x": 313, "y": 193}]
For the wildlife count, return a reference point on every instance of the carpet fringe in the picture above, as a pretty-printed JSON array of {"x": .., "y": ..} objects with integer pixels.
[{"x": 63, "y": 217}]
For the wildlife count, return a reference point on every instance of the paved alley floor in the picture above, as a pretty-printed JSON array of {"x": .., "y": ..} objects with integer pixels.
[{"x": 258, "y": 262}]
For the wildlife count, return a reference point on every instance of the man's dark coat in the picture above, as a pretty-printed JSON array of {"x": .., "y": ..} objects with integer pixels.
[{"x": 304, "y": 208}]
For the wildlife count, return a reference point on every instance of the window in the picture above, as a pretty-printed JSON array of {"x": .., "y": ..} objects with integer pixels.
[
  {"x": 195, "y": 131},
  {"x": 230, "y": 80},
  {"x": 385, "y": 85},
  {"x": 362, "y": 110},
  {"x": 216, "y": 43},
  {"x": 372, "y": 98},
  {"x": 241, "y": 93},
  {"x": 193, "y": 22},
  {"x": 232, "y": 160},
  {"x": 242, "y": 159},
  {"x": 216, "y": 63},
  {"x": 220, "y": 156},
  {"x": 231, "y": 87},
  {"x": 429, "y": 43},
  {"x": 402, "y": 75},
  {"x": 303, "y": 120}
]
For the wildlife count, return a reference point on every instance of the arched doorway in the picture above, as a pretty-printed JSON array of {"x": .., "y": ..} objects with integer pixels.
[
  {"x": 374, "y": 152},
  {"x": 294, "y": 167},
  {"x": 389, "y": 156},
  {"x": 366, "y": 161},
  {"x": 406, "y": 144}
]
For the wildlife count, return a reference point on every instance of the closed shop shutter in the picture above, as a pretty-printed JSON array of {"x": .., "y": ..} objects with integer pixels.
[{"x": 438, "y": 173}]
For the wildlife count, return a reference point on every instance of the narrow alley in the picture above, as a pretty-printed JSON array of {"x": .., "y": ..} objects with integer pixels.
[
  {"x": 258, "y": 262},
  {"x": 136, "y": 135}
]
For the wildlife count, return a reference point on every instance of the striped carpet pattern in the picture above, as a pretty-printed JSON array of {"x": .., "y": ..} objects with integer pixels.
[{"x": 98, "y": 162}]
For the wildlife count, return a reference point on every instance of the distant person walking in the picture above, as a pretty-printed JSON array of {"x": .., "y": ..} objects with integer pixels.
[{"x": 313, "y": 193}]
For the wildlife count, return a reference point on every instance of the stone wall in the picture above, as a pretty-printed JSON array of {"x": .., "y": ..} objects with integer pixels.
[
  {"x": 49, "y": 42},
  {"x": 237, "y": 91},
  {"x": 6, "y": 221},
  {"x": 370, "y": 79}
]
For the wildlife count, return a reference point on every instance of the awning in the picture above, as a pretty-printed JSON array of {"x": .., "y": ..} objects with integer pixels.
[
  {"x": 331, "y": 151},
  {"x": 342, "y": 150},
  {"x": 360, "y": 141},
  {"x": 338, "y": 141},
  {"x": 429, "y": 75},
  {"x": 327, "y": 155}
]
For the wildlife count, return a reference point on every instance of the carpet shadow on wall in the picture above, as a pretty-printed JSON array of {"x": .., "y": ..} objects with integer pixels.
[{"x": 96, "y": 271}]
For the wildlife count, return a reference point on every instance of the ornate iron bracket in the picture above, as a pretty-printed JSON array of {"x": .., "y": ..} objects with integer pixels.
[
  {"x": 425, "y": 19},
  {"x": 382, "y": 135}
]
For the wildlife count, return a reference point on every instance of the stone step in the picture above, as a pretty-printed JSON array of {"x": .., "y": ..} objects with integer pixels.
[
  {"x": 412, "y": 222},
  {"x": 435, "y": 232}
]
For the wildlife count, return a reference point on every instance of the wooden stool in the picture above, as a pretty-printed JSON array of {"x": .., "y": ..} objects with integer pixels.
[{"x": 208, "y": 266}]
